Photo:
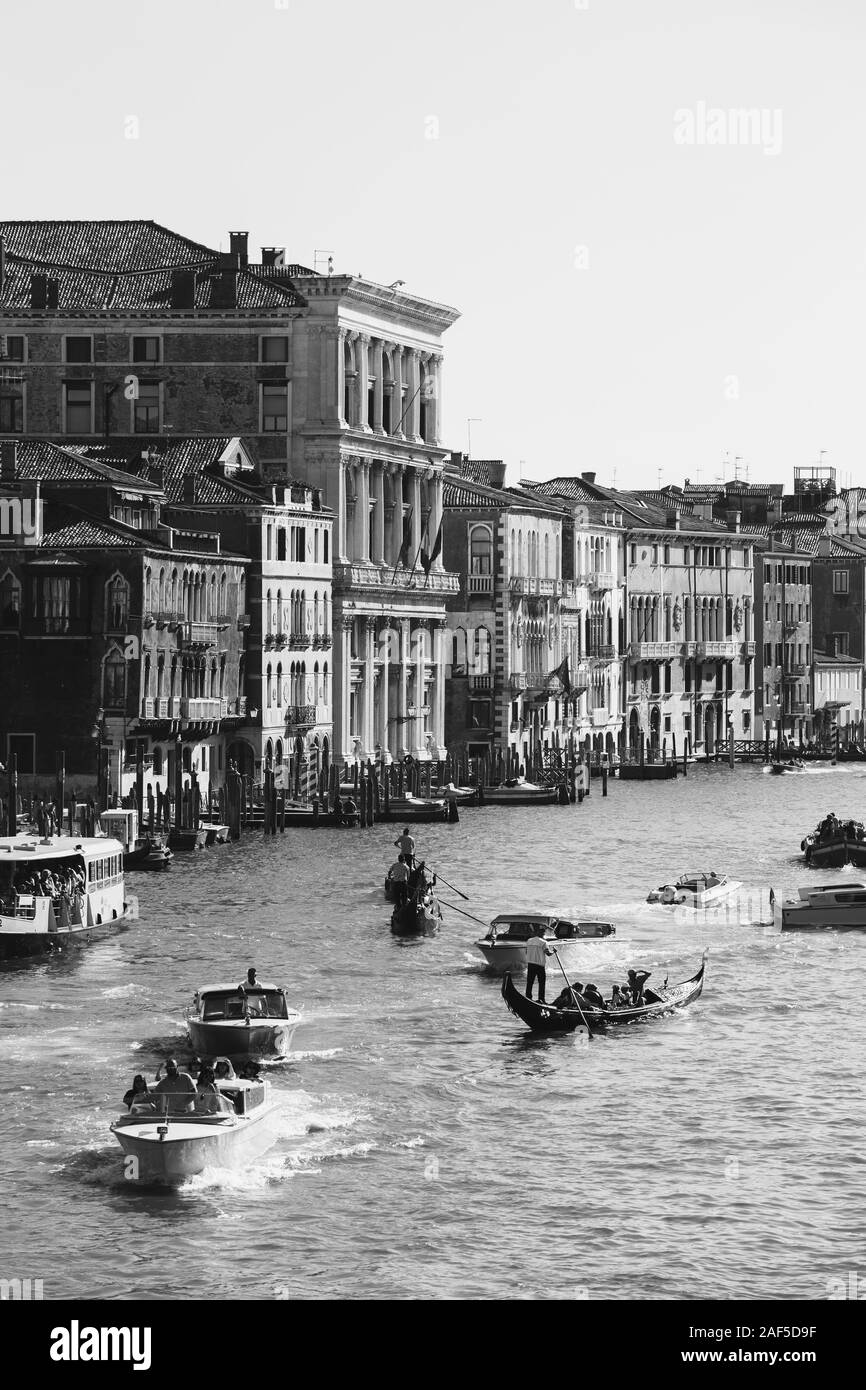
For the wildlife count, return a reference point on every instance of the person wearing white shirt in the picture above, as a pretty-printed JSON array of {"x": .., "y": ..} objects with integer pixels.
[{"x": 536, "y": 956}]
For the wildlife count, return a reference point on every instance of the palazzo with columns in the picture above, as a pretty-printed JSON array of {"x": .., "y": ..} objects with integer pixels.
[{"x": 366, "y": 403}]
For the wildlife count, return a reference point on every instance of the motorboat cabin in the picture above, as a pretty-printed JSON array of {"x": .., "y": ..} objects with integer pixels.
[
  {"x": 242, "y": 1021},
  {"x": 504, "y": 946},
  {"x": 827, "y": 907}
]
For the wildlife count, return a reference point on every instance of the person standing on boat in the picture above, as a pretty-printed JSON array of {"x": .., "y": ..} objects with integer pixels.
[
  {"x": 251, "y": 982},
  {"x": 177, "y": 1086},
  {"x": 536, "y": 957},
  {"x": 399, "y": 876},
  {"x": 406, "y": 845}
]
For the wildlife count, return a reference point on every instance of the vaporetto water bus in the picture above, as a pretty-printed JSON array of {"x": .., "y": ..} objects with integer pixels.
[{"x": 59, "y": 891}]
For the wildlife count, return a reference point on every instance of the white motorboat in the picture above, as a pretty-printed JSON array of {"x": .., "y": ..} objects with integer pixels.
[
  {"x": 241, "y": 1021},
  {"x": 504, "y": 946},
  {"x": 520, "y": 793},
  {"x": 695, "y": 890},
  {"x": 826, "y": 907},
  {"x": 169, "y": 1147}
]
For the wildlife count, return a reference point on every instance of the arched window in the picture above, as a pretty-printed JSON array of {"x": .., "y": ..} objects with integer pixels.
[
  {"x": 279, "y": 610},
  {"x": 326, "y": 689},
  {"x": 148, "y": 597},
  {"x": 174, "y": 591},
  {"x": 480, "y": 550},
  {"x": 269, "y": 687},
  {"x": 212, "y": 604},
  {"x": 278, "y": 753},
  {"x": 10, "y": 601},
  {"x": 513, "y": 562},
  {"x": 269, "y": 615},
  {"x": 242, "y": 593},
  {"x": 160, "y": 675},
  {"x": 269, "y": 752},
  {"x": 279, "y": 684},
  {"x": 114, "y": 680},
  {"x": 161, "y": 598},
  {"x": 214, "y": 689},
  {"x": 546, "y": 556},
  {"x": 481, "y": 652},
  {"x": 668, "y": 630}
]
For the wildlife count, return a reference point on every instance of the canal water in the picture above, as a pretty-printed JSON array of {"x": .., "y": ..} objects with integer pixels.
[{"x": 428, "y": 1147}]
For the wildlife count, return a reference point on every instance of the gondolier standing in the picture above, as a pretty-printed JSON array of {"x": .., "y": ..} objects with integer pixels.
[
  {"x": 536, "y": 956},
  {"x": 406, "y": 845}
]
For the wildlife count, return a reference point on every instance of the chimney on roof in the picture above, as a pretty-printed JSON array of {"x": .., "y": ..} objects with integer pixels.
[
  {"x": 273, "y": 256},
  {"x": 238, "y": 247},
  {"x": 183, "y": 289},
  {"x": 224, "y": 290},
  {"x": 8, "y": 460},
  {"x": 732, "y": 519},
  {"x": 190, "y": 487},
  {"x": 673, "y": 520},
  {"x": 43, "y": 292},
  {"x": 588, "y": 477}
]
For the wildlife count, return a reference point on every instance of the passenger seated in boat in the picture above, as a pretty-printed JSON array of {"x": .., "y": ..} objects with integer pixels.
[
  {"x": 208, "y": 1100},
  {"x": 636, "y": 982},
  {"x": 138, "y": 1094},
  {"x": 593, "y": 997},
  {"x": 177, "y": 1086},
  {"x": 617, "y": 999},
  {"x": 223, "y": 1070},
  {"x": 569, "y": 998}
]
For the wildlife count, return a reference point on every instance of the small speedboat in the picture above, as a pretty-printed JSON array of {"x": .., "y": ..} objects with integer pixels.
[
  {"x": 504, "y": 946},
  {"x": 546, "y": 1018},
  {"x": 241, "y": 1021},
  {"x": 520, "y": 793},
  {"x": 169, "y": 1147},
  {"x": 791, "y": 765},
  {"x": 826, "y": 907},
  {"x": 695, "y": 890}
]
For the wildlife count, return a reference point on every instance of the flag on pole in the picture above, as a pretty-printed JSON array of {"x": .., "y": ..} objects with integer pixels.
[
  {"x": 406, "y": 544},
  {"x": 427, "y": 560},
  {"x": 561, "y": 674}
]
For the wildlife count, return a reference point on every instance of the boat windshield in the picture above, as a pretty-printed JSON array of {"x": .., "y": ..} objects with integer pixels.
[
  {"x": 517, "y": 931},
  {"x": 258, "y": 1004}
]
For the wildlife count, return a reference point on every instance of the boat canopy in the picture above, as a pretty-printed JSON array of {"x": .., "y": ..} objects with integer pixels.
[{"x": 235, "y": 1004}]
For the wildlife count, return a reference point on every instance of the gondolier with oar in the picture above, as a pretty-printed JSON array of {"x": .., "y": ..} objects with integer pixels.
[{"x": 536, "y": 957}]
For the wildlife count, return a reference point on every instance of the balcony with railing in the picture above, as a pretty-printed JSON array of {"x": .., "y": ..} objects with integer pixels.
[
  {"x": 533, "y": 584},
  {"x": 601, "y": 579},
  {"x": 728, "y": 649},
  {"x": 604, "y": 651},
  {"x": 383, "y": 578},
  {"x": 200, "y": 710},
  {"x": 480, "y": 685},
  {"x": 796, "y": 671},
  {"x": 199, "y": 635},
  {"x": 519, "y": 680},
  {"x": 653, "y": 651},
  {"x": 479, "y": 584},
  {"x": 300, "y": 718}
]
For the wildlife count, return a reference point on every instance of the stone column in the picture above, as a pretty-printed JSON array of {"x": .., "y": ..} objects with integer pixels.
[
  {"x": 416, "y": 515},
  {"x": 341, "y": 518},
  {"x": 378, "y": 470},
  {"x": 344, "y": 738},
  {"x": 362, "y": 363},
  {"x": 434, "y": 401},
  {"x": 403, "y": 735},
  {"x": 397, "y": 513},
  {"x": 379, "y": 373},
  {"x": 437, "y": 488},
  {"x": 413, "y": 413},
  {"x": 437, "y": 720},
  {"x": 398, "y": 425},
  {"x": 368, "y": 728},
  {"x": 384, "y": 678},
  {"x": 328, "y": 377},
  {"x": 364, "y": 479},
  {"x": 418, "y": 722}
]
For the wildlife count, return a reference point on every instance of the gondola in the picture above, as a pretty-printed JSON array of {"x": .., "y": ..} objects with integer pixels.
[
  {"x": 419, "y": 916},
  {"x": 544, "y": 1018}
]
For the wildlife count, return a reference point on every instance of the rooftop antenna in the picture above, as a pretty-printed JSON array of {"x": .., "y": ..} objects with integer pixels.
[
  {"x": 470, "y": 421},
  {"x": 737, "y": 461},
  {"x": 659, "y": 477},
  {"x": 327, "y": 258}
]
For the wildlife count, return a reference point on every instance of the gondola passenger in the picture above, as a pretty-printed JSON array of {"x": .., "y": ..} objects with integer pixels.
[
  {"x": 636, "y": 980},
  {"x": 593, "y": 997}
]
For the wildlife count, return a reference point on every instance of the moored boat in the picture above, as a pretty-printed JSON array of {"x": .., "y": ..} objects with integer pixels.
[
  {"x": 826, "y": 907},
  {"x": 546, "y": 1018},
  {"x": 146, "y": 851},
  {"x": 59, "y": 891},
  {"x": 504, "y": 946},
  {"x": 520, "y": 794},
  {"x": 170, "y": 1147},
  {"x": 241, "y": 1021},
  {"x": 415, "y": 808},
  {"x": 695, "y": 890}
]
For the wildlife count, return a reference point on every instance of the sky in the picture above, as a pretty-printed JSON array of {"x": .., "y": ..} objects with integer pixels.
[{"x": 651, "y": 286}]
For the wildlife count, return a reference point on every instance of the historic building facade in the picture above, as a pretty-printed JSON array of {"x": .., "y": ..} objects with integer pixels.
[
  {"x": 127, "y": 329},
  {"x": 784, "y": 649}
]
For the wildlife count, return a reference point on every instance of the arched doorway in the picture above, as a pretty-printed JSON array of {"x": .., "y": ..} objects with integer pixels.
[
  {"x": 241, "y": 754},
  {"x": 609, "y": 747},
  {"x": 634, "y": 731},
  {"x": 710, "y": 729},
  {"x": 655, "y": 728}
]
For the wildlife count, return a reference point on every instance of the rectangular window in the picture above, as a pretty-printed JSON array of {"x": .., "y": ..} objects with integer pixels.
[
  {"x": 667, "y": 723},
  {"x": 633, "y": 559},
  {"x": 841, "y": 643},
  {"x": 78, "y": 407},
  {"x": 24, "y": 748},
  {"x": 747, "y": 721},
  {"x": 78, "y": 348},
  {"x": 146, "y": 350},
  {"x": 275, "y": 407},
  {"x": 655, "y": 554},
  {"x": 840, "y": 581},
  {"x": 687, "y": 555},
  {"x": 145, "y": 410},
  {"x": 687, "y": 723},
  {"x": 667, "y": 554},
  {"x": 11, "y": 410},
  {"x": 273, "y": 349},
  {"x": 13, "y": 347},
  {"x": 299, "y": 543}
]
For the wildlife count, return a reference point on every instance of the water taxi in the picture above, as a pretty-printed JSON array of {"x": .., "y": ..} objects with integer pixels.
[
  {"x": 826, "y": 907},
  {"x": 241, "y": 1021},
  {"x": 59, "y": 891},
  {"x": 139, "y": 851},
  {"x": 504, "y": 946},
  {"x": 790, "y": 765},
  {"x": 695, "y": 890},
  {"x": 215, "y": 1131},
  {"x": 520, "y": 794}
]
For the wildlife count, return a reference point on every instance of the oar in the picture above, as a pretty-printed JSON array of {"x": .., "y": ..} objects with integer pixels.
[
  {"x": 451, "y": 886},
  {"x": 571, "y": 992},
  {"x": 462, "y": 911}
]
